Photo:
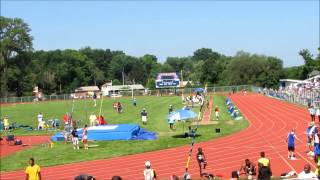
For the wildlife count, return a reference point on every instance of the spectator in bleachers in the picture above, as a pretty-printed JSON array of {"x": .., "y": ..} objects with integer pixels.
[{"x": 307, "y": 173}]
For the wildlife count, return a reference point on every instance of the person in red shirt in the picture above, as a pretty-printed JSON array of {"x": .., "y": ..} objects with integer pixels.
[
  {"x": 66, "y": 118},
  {"x": 101, "y": 120}
]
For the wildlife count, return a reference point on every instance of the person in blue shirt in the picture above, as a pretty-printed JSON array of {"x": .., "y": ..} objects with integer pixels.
[{"x": 290, "y": 140}]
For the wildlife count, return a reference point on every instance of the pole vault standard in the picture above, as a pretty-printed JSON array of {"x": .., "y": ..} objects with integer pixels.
[
  {"x": 191, "y": 147},
  {"x": 101, "y": 97}
]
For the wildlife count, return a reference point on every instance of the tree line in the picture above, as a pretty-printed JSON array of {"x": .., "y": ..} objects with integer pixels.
[{"x": 62, "y": 71}]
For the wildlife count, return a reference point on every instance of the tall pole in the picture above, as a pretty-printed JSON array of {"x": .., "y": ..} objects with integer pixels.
[
  {"x": 132, "y": 89},
  {"x": 122, "y": 75},
  {"x": 181, "y": 84}
]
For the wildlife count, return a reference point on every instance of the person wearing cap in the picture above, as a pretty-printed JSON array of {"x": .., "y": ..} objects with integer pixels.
[
  {"x": 149, "y": 173},
  {"x": 144, "y": 116}
]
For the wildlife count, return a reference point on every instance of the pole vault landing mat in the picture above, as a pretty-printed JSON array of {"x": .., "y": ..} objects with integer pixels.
[{"x": 112, "y": 132}]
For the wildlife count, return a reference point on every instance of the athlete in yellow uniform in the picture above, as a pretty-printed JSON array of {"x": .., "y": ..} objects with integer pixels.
[{"x": 33, "y": 171}]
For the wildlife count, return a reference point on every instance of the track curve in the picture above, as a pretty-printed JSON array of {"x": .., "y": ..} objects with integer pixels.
[{"x": 270, "y": 121}]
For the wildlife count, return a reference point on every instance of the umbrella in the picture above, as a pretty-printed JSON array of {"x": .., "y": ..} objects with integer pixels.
[
  {"x": 181, "y": 115},
  {"x": 199, "y": 90}
]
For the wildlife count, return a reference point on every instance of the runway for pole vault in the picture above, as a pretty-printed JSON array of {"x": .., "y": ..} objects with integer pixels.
[{"x": 270, "y": 121}]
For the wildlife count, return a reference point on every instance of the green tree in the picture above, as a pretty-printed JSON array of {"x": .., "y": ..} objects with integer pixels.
[{"x": 15, "y": 39}]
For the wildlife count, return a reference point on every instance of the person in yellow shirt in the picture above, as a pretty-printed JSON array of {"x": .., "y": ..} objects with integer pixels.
[
  {"x": 6, "y": 123},
  {"x": 264, "y": 167},
  {"x": 33, "y": 171}
]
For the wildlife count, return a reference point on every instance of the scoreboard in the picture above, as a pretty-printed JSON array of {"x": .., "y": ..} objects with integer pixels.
[{"x": 166, "y": 80}]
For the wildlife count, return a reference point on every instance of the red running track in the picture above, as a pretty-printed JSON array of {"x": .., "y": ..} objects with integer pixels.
[
  {"x": 29, "y": 141},
  {"x": 270, "y": 121}
]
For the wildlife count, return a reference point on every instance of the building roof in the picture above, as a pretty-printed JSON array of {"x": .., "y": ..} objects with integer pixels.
[
  {"x": 123, "y": 87},
  {"x": 314, "y": 73},
  {"x": 87, "y": 88},
  {"x": 291, "y": 80}
]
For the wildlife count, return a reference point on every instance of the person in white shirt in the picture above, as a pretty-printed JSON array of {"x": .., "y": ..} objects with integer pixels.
[
  {"x": 149, "y": 173},
  {"x": 318, "y": 113},
  {"x": 40, "y": 119},
  {"x": 307, "y": 173}
]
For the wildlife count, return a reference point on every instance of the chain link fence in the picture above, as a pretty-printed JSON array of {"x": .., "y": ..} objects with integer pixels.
[
  {"x": 306, "y": 97},
  {"x": 157, "y": 92}
]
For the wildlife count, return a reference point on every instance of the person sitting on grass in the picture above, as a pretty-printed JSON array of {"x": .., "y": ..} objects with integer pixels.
[
  {"x": 202, "y": 162},
  {"x": 248, "y": 168},
  {"x": 33, "y": 171}
]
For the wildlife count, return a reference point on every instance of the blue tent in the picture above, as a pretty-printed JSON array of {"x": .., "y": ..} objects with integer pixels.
[{"x": 181, "y": 115}]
